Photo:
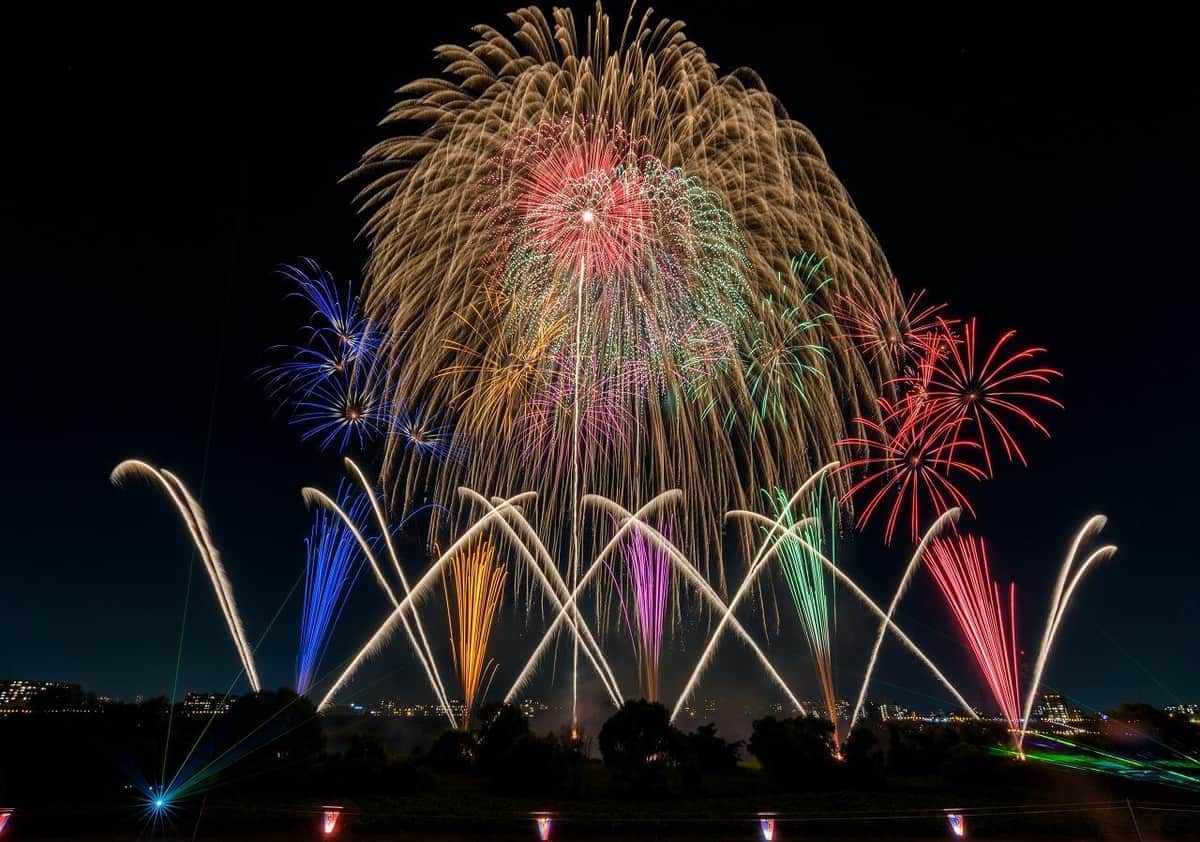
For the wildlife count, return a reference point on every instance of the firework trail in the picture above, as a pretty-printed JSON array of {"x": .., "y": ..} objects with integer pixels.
[
  {"x": 769, "y": 547},
  {"x": 1064, "y": 589},
  {"x": 959, "y": 565},
  {"x": 332, "y": 565},
  {"x": 477, "y": 582},
  {"x": 648, "y": 570},
  {"x": 775, "y": 527},
  {"x": 947, "y": 517},
  {"x": 909, "y": 463},
  {"x": 193, "y": 517},
  {"x": 493, "y": 516},
  {"x": 957, "y": 384},
  {"x": 635, "y": 245},
  {"x": 805, "y": 577},
  {"x": 691, "y": 575},
  {"x": 421, "y": 649}
]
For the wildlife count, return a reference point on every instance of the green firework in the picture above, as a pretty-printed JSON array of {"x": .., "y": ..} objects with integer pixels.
[{"x": 810, "y": 587}]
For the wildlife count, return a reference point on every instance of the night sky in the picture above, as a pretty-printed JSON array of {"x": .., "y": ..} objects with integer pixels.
[{"x": 1040, "y": 174}]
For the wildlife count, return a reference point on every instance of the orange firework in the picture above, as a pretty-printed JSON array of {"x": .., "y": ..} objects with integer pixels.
[{"x": 478, "y": 584}]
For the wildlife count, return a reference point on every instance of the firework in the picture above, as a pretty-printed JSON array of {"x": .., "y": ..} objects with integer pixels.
[
  {"x": 333, "y": 563},
  {"x": 511, "y": 244},
  {"x": 806, "y": 580},
  {"x": 912, "y": 465},
  {"x": 478, "y": 584},
  {"x": 777, "y": 535},
  {"x": 336, "y": 334},
  {"x": 629, "y": 521},
  {"x": 193, "y": 517},
  {"x": 1069, "y": 577},
  {"x": 423, "y": 435},
  {"x": 884, "y": 326},
  {"x": 958, "y": 825},
  {"x": 959, "y": 565},
  {"x": 5, "y": 816},
  {"x": 781, "y": 358},
  {"x": 333, "y": 380},
  {"x": 648, "y": 570},
  {"x": 985, "y": 392},
  {"x": 947, "y": 517},
  {"x": 418, "y": 640}
]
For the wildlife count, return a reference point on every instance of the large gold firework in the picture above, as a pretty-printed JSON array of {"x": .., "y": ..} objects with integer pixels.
[{"x": 448, "y": 280}]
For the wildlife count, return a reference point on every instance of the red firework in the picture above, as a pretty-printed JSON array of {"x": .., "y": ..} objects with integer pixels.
[
  {"x": 578, "y": 197},
  {"x": 959, "y": 565},
  {"x": 954, "y": 383},
  {"x": 909, "y": 465},
  {"x": 884, "y": 323}
]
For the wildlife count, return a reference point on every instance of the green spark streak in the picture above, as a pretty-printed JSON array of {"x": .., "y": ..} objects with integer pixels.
[
  {"x": 780, "y": 361},
  {"x": 806, "y": 578}
]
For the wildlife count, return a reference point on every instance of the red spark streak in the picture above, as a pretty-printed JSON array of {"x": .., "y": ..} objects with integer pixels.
[
  {"x": 913, "y": 462},
  {"x": 959, "y": 565},
  {"x": 883, "y": 323},
  {"x": 953, "y": 385}
]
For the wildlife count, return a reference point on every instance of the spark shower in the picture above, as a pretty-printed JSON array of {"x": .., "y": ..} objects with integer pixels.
[{"x": 617, "y": 302}]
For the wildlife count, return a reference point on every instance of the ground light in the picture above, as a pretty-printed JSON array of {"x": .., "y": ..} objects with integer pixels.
[
  {"x": 329, "y": 820},
  {"x": 958, "y": 825},
  {"x": 766, "y": 827},
  {"x": 5, "y": 815},
  {"x": 544, "y": 823}
]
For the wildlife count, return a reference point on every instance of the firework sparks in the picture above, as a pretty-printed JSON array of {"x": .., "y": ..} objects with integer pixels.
[
  {"x": 333, "y": 563},
  {"x": 985, "y": 391},
  {"x": 477, "y": 583},
  {"x": 806, "y": 581},
  {"x": 882, "y": 324},
  {"x": 509, "y": 243},
  {"x": 333, "y": 380},
  {"x": 959, "y": 565},
  {"x": 912, "y": 465},
  {"x": 193, "y": 517},
  {"x": 649, "y": 574}
]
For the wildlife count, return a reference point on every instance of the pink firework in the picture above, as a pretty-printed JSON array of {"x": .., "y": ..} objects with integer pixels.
[
  {"x": 883, "y": 323},
  {"x": 578, "y": 197},
  {"x": 907, "y": 464},
  {"x": 955, "y": 383},
  {"x": 603, "y": 406},
  {"x": 959, "y": 565}
]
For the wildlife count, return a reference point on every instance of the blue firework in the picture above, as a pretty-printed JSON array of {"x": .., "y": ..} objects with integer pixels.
[
  {"x": 351, "y": 409},
  {"x": 333, "y": 564},
  {"x": 332, "y": 380},
  {"x": 422, "y": 433}
]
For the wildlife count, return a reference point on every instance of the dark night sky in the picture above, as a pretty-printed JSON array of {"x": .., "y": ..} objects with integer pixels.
[{"x": 1039, "y": 173}]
